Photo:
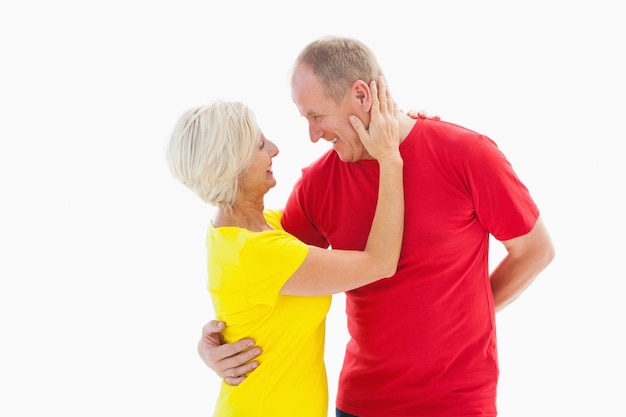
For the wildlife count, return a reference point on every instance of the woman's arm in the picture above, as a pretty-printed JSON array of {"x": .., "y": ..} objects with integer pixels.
[{"x": 332, "y": 271}]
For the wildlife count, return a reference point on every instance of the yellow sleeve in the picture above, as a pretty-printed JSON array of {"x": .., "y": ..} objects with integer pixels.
[
  {"x": 268, "y": 260},
  {"x": 273, "y": 218}
]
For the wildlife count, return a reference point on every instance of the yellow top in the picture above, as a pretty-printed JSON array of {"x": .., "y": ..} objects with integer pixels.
[{"x": 246, "y": 272}]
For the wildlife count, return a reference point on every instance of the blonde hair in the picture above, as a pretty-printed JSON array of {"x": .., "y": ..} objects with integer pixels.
[
  {"x": 338, "y": 62},
  {"x": 211, "y": 147}
]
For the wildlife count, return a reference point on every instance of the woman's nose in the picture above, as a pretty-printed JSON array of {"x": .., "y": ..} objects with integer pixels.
[{"x": 274, "y": 150}]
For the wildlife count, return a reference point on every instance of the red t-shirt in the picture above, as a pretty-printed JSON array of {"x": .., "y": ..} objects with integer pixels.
[{"x": 422, "y": 343}]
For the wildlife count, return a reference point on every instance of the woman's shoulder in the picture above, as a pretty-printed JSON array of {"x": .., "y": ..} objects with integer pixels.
[{"x": 273, "y": 218}]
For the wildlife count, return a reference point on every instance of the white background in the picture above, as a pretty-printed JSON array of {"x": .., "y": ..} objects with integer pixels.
[{"x": 102, "y": 267}]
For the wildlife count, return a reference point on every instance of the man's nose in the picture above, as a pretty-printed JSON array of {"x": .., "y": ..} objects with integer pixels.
[{"x": 315, "y": 133}]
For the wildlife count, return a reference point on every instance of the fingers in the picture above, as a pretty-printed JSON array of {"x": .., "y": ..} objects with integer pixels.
[
  {"x": 237, "y": 353},
  {"x": 381, "y": 98},
  {"x": 381, "y": 137},
  {"x": 358, "y": 126},
  {"x": 381, "y": 92},
  {"x": 237, "y": 374},
  {"x": 234, "y": 368},
  {"x": 213, "y": 326},
  {"x": 234, "y": 381},
  {"x": 225, "y": 358},
  {"x": 375, "y": 98},
  {"x": 421, "y": 114},
  {"x": 391, "y": 104},
  {"x": 229, "y": 350},
  {"x": 231, "y": 361}
]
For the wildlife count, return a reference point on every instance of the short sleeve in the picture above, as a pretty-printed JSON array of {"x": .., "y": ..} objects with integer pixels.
[
  {"x": 502, "y": 202},
  {"x": 295, "y": 218},
  {"x": 268, "y": 260}
]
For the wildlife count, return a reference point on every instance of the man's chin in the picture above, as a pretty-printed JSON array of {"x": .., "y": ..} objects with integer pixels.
[
  {"x": 348, "y": 160},
  {"x": 342, "y": 157},
  {"x": 345, "y": 157}
]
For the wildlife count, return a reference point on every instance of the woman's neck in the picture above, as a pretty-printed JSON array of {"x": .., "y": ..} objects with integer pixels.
[{"x": 246, "y": 215}]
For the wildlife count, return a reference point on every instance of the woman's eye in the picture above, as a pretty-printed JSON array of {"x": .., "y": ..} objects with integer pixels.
[{"x": 262, "y": 145}]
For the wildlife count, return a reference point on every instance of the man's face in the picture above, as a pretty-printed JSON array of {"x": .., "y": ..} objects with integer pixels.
[{"x": 327, "y": 119}]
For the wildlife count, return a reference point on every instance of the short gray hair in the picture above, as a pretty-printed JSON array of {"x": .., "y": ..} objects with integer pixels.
[
  {"x": 338, "y": 62},
  {"x": 211, "y": 147}
]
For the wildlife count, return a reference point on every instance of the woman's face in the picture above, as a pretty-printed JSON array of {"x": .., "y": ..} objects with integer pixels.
[{"x": 259, "y": 178}]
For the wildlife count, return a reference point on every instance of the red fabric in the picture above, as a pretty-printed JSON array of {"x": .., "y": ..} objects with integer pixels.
[{"x": 423, "y": 342}]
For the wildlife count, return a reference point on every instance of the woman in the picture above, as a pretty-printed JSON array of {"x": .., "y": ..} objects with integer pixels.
[{"x": 258, "y": 273}]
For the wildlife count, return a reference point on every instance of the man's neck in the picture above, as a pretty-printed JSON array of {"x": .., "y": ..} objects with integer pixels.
[{"x": 405, "y": 125}]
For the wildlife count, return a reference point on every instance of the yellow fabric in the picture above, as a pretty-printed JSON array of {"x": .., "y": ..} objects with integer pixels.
[{"x": 246, "y": 272}]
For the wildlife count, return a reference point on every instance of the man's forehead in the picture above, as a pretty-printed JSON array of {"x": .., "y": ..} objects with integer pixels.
[
  {"x": 311, "y": 104},
  {"x": 314, "y": 111}
]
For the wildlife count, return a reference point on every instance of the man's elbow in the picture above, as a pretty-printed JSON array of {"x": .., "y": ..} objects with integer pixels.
[
  {"x": 390, "y": 269},
  {"x": 544, "y": 254},
  {"x": 541, "y": 245},
  {"x": 549, "y": 253}
]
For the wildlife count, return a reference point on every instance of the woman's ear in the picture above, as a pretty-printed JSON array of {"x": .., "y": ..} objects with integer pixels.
[{"x": 361, "y": 93}]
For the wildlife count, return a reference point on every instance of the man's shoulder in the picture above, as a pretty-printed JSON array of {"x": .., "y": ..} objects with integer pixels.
[
  {"x": 445, "y": 128},
  {"x": 322, "y": 164},
  {"x": 442, "y": 136}
]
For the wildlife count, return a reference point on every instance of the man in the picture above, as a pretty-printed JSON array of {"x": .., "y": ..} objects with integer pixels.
[{"x": 422, "y": 343}]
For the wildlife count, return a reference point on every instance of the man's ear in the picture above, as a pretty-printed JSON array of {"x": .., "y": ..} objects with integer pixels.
[{"x": 362, "y": 95}]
